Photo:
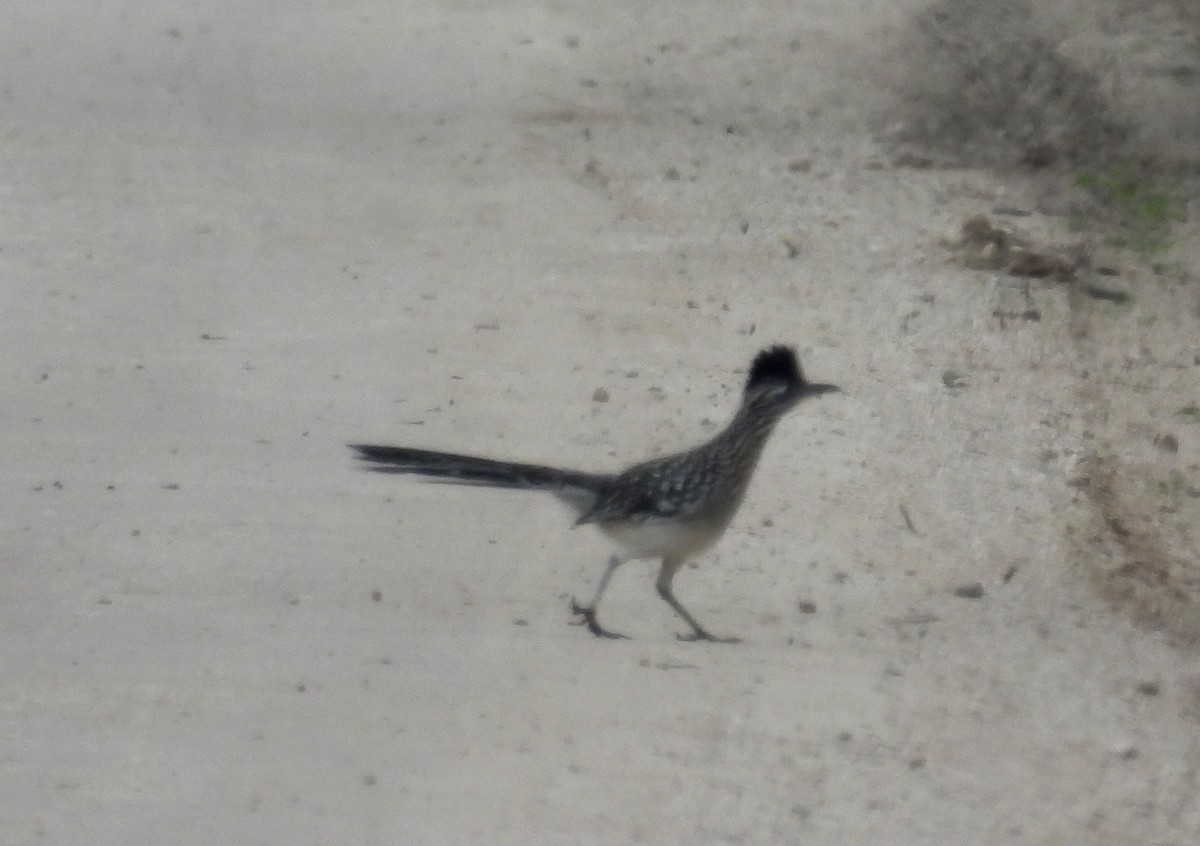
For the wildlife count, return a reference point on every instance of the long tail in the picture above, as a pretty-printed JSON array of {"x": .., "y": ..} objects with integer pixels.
[{"x": 471, "y": 470}]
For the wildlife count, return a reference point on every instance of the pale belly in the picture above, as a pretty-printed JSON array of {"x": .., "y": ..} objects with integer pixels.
[{"x": 662, "y": 538}]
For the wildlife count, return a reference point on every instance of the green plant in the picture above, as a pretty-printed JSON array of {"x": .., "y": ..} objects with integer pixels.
[{"x": 1143, "y": 211}]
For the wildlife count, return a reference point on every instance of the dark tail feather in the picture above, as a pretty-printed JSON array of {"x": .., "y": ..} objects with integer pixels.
[{"x": 471, "y": 470}]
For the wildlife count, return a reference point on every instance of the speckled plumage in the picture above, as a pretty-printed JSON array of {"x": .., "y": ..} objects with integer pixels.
[
  {"x": 671, "y": 507},
  {"x": 707, "y": 482}
]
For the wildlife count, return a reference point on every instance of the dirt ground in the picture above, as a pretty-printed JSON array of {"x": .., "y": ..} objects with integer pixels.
[{"x": 238, "y": 236}]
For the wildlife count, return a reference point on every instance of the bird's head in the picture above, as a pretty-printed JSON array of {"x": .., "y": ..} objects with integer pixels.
[{"x": 776, "y": 381}]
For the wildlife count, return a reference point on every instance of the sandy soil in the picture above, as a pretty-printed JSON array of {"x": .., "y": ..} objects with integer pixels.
[{"x": 237, "y": 237}]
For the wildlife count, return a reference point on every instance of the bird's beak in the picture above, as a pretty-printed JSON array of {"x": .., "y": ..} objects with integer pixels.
[{"x": 815, "y": 389}]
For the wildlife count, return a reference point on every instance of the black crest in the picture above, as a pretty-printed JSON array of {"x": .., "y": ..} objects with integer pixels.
[{"x": 775, "y": 365}]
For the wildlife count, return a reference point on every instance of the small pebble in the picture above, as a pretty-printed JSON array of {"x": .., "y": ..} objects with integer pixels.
[{"x": 971, "y": 591}]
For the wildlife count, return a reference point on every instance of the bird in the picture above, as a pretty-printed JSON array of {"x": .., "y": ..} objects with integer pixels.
[{"x": 669, "y": 508}]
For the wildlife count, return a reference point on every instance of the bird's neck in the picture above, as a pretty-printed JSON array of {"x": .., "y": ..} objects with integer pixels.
[
  {"x": 755, "y": 419},
  {"x": 750, "y": 428}
]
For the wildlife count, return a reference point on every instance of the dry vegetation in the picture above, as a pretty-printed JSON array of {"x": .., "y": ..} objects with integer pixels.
[
  {"x": 987, "y": 84},
  {"x": 980, "y": 85}
]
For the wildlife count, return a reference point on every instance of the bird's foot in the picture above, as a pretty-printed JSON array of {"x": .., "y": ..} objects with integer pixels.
[
  {"x": 701, "y": 634},
  {"x": 589, "y": 620}
]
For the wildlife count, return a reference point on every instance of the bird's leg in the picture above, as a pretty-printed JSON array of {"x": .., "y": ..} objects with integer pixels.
[
  {"x": 588, "y": 612},
  {"x": 665, "y": 574}
]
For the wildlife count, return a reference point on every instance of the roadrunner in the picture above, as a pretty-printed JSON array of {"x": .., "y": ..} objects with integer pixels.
[{"x": 668, "y": 508}]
